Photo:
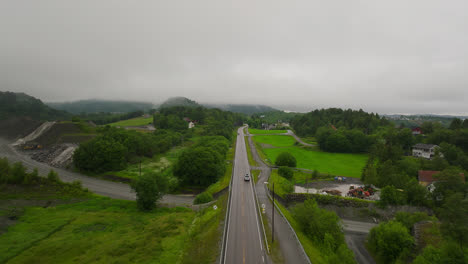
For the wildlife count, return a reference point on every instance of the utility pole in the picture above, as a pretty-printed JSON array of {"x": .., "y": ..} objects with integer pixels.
[{"x": 273, "y": 217}]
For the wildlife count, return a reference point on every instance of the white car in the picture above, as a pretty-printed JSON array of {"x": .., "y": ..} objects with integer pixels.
[{"x": 247, "y": 177}]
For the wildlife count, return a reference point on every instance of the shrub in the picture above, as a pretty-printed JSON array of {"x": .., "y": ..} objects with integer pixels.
[
  {"x": 391, "y": 196},
  {"x": 30, "y": 178},
  {"x": 286, "y": 172},
  {"x": 202, "y": 198},
  {"x": 390, "y": 241},
  {"x": 18, "y": 172},
  {"x": 285, "y": 159},
  {"x": 149, "y": 188},
  {"x": 53, "y": 176}
]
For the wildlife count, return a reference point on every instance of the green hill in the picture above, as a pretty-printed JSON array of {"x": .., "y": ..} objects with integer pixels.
[{"x": 179, "y": 101}]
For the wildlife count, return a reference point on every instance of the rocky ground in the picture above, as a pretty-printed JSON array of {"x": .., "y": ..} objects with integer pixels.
[{"x": 58, "y": 155}]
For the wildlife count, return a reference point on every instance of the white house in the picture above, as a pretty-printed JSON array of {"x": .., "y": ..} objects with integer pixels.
[
  {"x": 424, "y": 150},
  {"x": 191, "y": 124}
]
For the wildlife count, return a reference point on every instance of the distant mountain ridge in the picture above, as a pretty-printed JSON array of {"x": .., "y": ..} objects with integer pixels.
[
  {"x": 179, "y": 101},
  {"x": 243, "y": 108},
  {"x": 98, "y": 106}
]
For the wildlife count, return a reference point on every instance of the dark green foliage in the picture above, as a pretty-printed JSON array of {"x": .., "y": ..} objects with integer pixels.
[
  {"x": 318, "y": 224},
  {"x": 409, "y": 219},
  {"x": 449, "y": 252},
  {"x": 390, "y": 241},
  {"x": 454, "y": 216},
  {"x": 106, "y": 118},
  {"x": 202, "y": 198},
  {"x": 149, "y": 188},
  {"x": 20, "y": 104},
  {"x": 53, "y": 176},
  {"x": 457, "y": 123},
  {"x": 101, "y": 106},
  {"x": 286, "y": 172},
  {"x": 285, "y": 159},
  {"x": 342, "y": 140},
  {"x": 449, "y": 181},
  {"x": 115, "y": 147},
  {"x": 200, "y": 166},
  {"x": 391, "y": 196},
  {"x": 270, "y": 117},
  {"x": 307, "y": 125}
]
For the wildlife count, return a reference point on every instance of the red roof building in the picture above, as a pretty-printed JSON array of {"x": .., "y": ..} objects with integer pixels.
[{"x": 427, "y": 177}]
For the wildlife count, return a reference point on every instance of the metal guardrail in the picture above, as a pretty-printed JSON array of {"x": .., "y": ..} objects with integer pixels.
[
  {"x": 292, "y": 229},
  {"x": 260, "y": 214}
]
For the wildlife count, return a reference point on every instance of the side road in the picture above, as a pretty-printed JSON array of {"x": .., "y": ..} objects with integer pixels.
[
  {"x": 105, "y": 188},
  {"x": 285, "y": 236}
]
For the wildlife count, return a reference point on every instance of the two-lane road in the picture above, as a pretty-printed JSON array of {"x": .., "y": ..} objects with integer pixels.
[{"x": 244, "y": 242}]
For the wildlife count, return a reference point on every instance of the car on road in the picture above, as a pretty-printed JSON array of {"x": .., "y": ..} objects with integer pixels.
[{"x": 247, "y": 177}]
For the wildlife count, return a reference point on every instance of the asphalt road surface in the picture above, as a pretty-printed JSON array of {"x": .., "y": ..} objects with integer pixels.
[
  {"x": 106, "y": 188},
  {"x": 244, "y": 242}
]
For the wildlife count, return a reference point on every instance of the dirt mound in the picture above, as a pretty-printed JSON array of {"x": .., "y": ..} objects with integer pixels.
[
  {"x": 60, "y": 133},
  {"x": 17, "y": 127},
  {"x": 59, "y": 156}
]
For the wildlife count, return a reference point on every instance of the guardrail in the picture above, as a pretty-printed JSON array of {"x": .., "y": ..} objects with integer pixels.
[{"x": 260, "y": 214}]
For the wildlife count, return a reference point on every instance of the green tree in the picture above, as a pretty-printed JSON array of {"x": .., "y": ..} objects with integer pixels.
[
  {"x": 286, "y": 172},
  {"x": 199, "y": 166},
  {"x": 456, "y": 124},
  {"x": 285, "y": 159},
  {"x": 454, "y": 216},
  {"x": 389, "y": 195},
  {"x": 318, "y": 224},
  {"x": 390, "y": 241},
  {"x": 149, "y": 188}
]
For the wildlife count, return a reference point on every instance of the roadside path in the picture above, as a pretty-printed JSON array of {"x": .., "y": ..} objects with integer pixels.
[{"x": 106, "y": 188}]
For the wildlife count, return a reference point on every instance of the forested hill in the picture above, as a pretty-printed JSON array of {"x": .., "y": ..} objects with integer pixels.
[
  {"x": 22, "y": 105},
  {"x": 100, "y": 106},
  {"x": 179, "y": 101},
  {"x": 242, "y": 108},
  {"x": 307, "y": 124}
]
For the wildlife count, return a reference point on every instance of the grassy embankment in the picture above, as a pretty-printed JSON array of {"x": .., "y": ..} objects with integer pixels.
[
  {"x": 262, "y": 131},
  {"x": 138, "y": 121},
  {"x": 87, "y": 228},
  {"x": 342, "y": 164}
]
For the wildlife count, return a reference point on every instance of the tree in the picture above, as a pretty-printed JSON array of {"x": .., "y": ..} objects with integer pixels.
[
  {"x": 456, "y": 124},
  {"x": 286, "y": 172},
  {"x": 454, "y": 216},
  {"x": 285, "y": 159},
  {"x": 449, "y": 181},
  {"x": 389, "y": 195},
  {"x": 318, "y": 224},
  {"x": 149, "y": 188},
  {"x": 200, "y": 166},
  {"x": 390, "y": 241}
]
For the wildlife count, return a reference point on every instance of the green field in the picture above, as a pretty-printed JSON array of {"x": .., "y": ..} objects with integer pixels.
[
  {"x": 92, "y": 229},
  {"x": 262, "y": 131},
  {"x": 138, "y": 121},
  {"x": 341, "y": 164},
  {"x": 275, "y": 140}
]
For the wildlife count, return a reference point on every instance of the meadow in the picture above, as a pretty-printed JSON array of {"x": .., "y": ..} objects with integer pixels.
[
  {"x": 262, "y": 131},
  {"x": 103, "y": 230},
  {"x": 275, "y": 140},
  {"x": 138, "y": 121},
  {"x": 340, "y": 164}
]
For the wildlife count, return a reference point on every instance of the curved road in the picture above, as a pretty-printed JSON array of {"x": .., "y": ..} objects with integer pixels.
[
  {"x": 106, "y": 188},
  {"x": 244, "y": 238}
]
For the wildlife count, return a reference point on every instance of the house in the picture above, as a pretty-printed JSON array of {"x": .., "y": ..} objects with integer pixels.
[
  {"x": 416, "y": 131},
  {"x": 426, "y": 178},
  {"x": 191, "y": 124},
  {"x": 424, "y": 150}
]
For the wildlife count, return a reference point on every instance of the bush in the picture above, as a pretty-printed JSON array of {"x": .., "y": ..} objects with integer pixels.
[
  {"x": 390, "y": 241},
  {"x": 389, "y": 195},
  {"x": 318, "y": 224},
  {"x": 202, "y": 198},
  {"x": 17, "y": 174},
  {"x": 285, "y": 159},
  {"x": 53, "y": 176},
  {"x": 149, "y": 188},
  {"x": 286, "y": 172}
]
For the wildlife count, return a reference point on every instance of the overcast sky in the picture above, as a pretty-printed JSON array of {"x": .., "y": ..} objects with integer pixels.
[{"x": 394, "y": 56}]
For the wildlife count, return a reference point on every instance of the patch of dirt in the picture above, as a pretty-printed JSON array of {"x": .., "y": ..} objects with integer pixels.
[{"x": 59, "y": 156}]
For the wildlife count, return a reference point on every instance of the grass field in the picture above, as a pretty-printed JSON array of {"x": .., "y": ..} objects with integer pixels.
[
  {"x": 342, "y": 164},
  {"x": 262, "y": 131},
  {"x": 93, "y": 229},
  {"x": 138, "y": 121},
  {"x": 275, "y": 140}
]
